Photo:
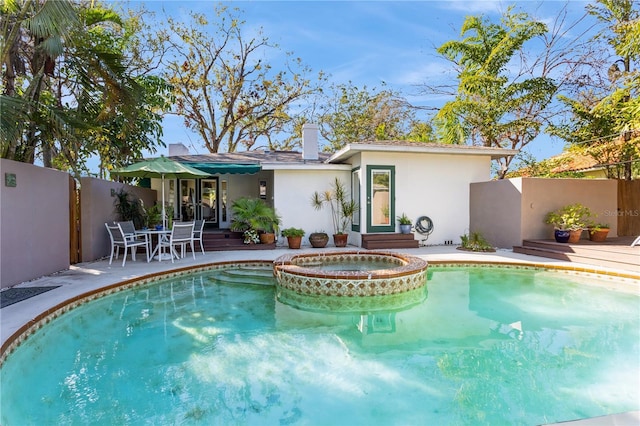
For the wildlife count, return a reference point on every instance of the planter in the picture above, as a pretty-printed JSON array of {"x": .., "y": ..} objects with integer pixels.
[
  {"x": 598, "y": 235},
  {"x": 294, "y": 242},
  {"x": 318, "y": 239},
  {"x": 561, "y": 235},
  {"x": 267, "y": 238},
  {"x": 340, "y": 240},
  {"x": 405, "y": 229},
  {"x": 574, "y": 236}
]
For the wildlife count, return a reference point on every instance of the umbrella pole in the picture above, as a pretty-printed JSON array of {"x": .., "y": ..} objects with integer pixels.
[{"x": 164, "y": 214}]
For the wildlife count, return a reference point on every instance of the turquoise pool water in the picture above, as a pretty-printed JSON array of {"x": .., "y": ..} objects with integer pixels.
[{"x": 486, "y": 346}]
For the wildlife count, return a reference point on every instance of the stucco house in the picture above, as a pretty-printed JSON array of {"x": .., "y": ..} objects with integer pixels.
[{"x": 386, "y": 179}]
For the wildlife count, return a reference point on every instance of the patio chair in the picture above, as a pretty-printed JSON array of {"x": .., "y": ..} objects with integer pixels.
[
  {"x": 198, "y": 230},
  {"x": 130, "y": 230},
  {"x": 119, "y": 239},
  {"x": 181, "y": 235}
]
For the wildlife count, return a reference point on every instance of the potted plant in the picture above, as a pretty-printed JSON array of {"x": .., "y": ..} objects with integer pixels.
[
  {"x": 294, "y": 237},
  {"x": 318, "y": 239},
  {"x": 153, "y": 216},
  {"x": 568, "y": 222},
  {"x": 598, "y": 232},
  {"x": 405, "y": 223},
  {"x": 342, "y": 209},
  {"x": 254, "y": 218}
]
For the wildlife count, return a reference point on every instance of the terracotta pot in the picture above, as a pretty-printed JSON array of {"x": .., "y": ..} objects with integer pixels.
[
  {"x": 294, "y": 242},
  {"x": 318, "y": 239},
  {"x": 599, "y": 235},
  {"x": 267, "y": 238},
  {"x": 574, "y": 236},
  {"x": 340, "y": 240}
]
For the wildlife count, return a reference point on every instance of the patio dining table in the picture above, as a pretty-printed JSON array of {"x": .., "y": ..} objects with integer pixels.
[{"x": 162, "y": 235}]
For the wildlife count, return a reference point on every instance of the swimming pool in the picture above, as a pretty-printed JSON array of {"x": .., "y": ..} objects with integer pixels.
[{"x": 486, "y": 346}]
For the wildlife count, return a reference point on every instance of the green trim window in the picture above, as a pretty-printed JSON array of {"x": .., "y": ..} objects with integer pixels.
[
  {"x": 380, "y": 198},
  {"x": 355, "y": 195}
]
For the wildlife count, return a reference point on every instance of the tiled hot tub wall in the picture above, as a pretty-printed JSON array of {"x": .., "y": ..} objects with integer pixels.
[{"x": 405, "y": 273}]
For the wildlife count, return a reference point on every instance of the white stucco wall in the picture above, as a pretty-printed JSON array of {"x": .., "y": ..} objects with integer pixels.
[
  {"x": 292, "y": 199},
  {"x": 433, "y": 185}
]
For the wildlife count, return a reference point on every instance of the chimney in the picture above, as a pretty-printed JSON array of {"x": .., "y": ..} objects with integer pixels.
[
  {"x": 309, "y": 141},
  {"x": 178, "y": 149}
]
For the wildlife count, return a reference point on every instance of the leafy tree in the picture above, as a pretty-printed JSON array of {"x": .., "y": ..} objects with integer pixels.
[
  {"x": 494, "y": 108},
  {"x": 224, "y": 88},
  {"x": 350, "y": 114},
  {"x": 66, "y": 91},
  {"x": 606, "y": 123}
]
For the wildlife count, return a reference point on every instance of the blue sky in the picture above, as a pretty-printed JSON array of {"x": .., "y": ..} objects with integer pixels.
[{"x": 367, "y": 42}]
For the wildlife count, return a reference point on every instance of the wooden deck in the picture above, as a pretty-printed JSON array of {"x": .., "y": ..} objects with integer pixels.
[
  {"x": 224, "y": 239},
  {"x": 613, "y": 253}
]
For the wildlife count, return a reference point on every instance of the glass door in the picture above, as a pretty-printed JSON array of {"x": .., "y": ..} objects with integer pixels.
[
  {"x": 380, "y": 198},
  {"x": 209, "y": 201}
]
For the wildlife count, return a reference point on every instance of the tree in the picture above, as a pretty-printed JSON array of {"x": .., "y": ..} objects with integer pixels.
[
  {"x": 351, "y": 114},
  {"x": 224, "y": 88},
  {"x": 67, "y": 93},
  {"x": 606, "y": 123},
  {"x": 492, "y": 107}
]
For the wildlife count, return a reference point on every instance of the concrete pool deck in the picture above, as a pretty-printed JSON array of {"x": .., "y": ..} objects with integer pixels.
[{"x": 91, "y": 276}]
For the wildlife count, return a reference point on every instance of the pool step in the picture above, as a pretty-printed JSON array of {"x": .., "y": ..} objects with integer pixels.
[
  {"x": 389, "y": 241},
  {"x": 259, "y": 276}
]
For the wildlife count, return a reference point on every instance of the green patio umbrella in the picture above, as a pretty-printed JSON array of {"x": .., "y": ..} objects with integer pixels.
[{"x": 161, "y": 167}]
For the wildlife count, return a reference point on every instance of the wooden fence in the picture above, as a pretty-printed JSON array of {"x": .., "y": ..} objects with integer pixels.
[{"x": 628, "y": 208}]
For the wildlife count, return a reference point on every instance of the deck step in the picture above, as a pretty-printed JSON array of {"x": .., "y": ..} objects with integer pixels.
[
  {"x": 227, "y": 240},
  {"x": 389, "y": 241},
  {"x": 610, "y": 256}
]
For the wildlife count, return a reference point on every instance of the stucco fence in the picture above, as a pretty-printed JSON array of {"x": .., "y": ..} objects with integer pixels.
[
  {"x": 508, "y": 211},
  {"x": 35, "y": 228}
]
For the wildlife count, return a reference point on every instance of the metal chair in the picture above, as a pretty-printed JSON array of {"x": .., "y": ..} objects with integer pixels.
[
  {"x": 198, "y": 230},
  {"x": 130, "y": 230},
  {"x": 119, "y": 239},
  {"x": 181, "y": 235}
]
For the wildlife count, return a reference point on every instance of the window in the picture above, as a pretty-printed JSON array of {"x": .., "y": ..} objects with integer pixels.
[{"x": 355, "y": 195}]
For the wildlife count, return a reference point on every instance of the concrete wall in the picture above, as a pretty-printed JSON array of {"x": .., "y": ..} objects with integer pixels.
[
  {"x": 96, "y": 208},
  {"x": 34, "y": 222},
  {"x": 508, "y": 211}
]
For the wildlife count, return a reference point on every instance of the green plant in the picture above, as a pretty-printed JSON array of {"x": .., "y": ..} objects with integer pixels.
[
  {"x": 153, "y": 215},
  {"x": 342, "y": 209},
  {"x": 253, "y": 214},
  {"x": 570, "y": 217},
  {"x": 293, "y": 232},
  {"x": 475, "y": 242},
  {"x": 404, "y": 219},
  {"x": 595, "y": 227},
  {"x": 128, "y": 207}
]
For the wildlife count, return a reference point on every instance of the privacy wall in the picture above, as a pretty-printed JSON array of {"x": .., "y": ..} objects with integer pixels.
[
  {"x": 511, "y": 210},
  {"x": 34, "y": 222}
]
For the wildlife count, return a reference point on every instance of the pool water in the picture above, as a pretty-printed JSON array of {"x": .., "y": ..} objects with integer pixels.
[{"x": 486, "y": 346}]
